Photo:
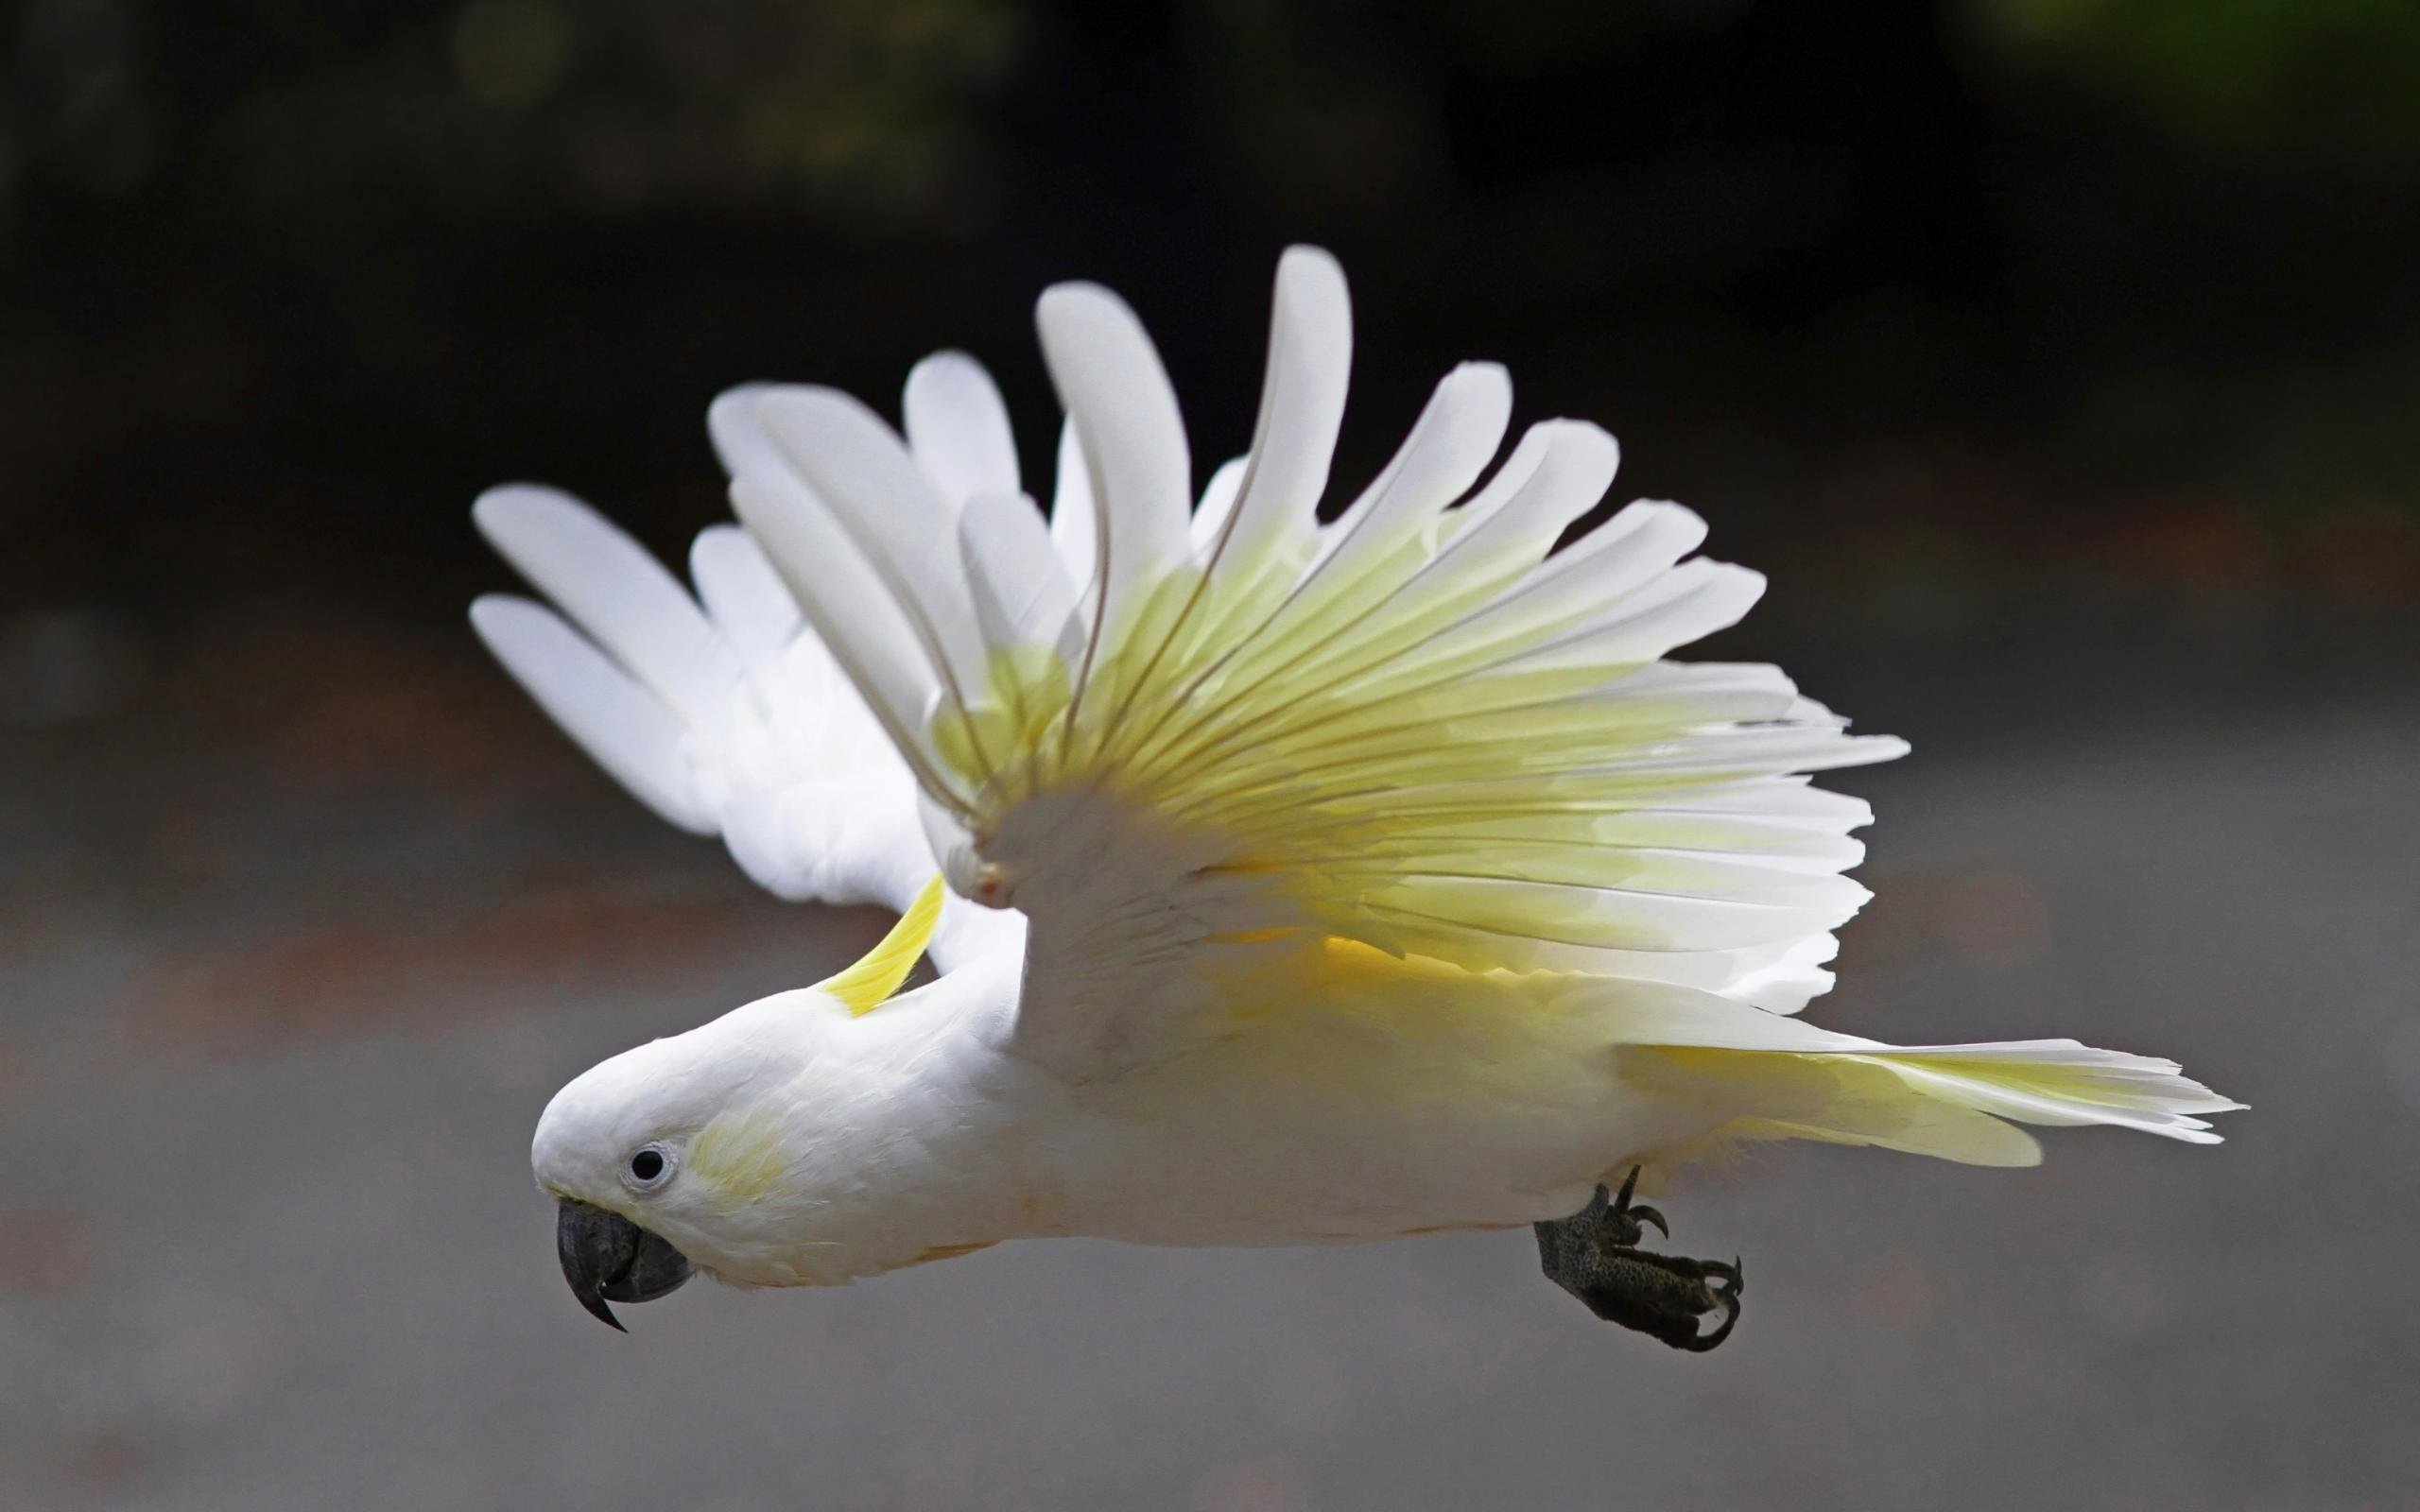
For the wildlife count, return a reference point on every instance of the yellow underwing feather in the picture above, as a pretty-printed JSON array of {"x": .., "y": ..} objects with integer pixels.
[{"x": 868, "y": 984}]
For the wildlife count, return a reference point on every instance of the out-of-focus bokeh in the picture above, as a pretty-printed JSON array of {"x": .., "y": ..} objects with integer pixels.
[{"x": 2060, "y": 359}]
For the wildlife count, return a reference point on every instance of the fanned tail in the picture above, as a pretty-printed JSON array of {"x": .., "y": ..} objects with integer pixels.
[{"x": 1781, "y": 1078}]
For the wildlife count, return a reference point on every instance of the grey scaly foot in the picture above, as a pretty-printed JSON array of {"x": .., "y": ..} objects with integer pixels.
[{"x": 1594, "y": 1255}]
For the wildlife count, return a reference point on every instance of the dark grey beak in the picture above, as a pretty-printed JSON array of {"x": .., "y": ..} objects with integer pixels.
[{"x": 609, "y": 1259}]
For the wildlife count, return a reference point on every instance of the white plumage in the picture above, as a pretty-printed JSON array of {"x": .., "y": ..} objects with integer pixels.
[{"x": 1312, "y": 882}]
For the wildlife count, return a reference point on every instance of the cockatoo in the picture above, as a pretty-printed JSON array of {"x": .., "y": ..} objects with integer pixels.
[{"x": 1286, "y": 883}]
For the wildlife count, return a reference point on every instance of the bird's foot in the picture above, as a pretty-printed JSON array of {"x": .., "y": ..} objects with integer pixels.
[{"x": 1594, "y": 1255}]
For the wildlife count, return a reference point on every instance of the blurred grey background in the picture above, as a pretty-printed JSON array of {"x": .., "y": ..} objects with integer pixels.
[{"x": 2057, "y": 358}]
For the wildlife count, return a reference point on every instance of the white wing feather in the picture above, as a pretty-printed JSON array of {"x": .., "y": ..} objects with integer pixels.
[
  {"x": 725, "y": 713},
  {"x": 1071, "y": 507},
  {"x": 958, "y": 426},
  {"x": 1118, "y": 398},
  {"x": 1302, "y": 405},
  {"x": 624, "y": 727}
]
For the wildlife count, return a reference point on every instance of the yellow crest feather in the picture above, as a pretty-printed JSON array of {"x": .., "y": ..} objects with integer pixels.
[{"x": 868, "y": 984}]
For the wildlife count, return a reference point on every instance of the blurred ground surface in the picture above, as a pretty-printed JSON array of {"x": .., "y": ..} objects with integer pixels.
[{"x": 292, "y": 960}]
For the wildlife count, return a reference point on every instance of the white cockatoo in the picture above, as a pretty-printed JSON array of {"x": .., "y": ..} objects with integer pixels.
[{"x": 1287, "y": 882}]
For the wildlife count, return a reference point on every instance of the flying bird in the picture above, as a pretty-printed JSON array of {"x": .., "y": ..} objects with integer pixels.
[{"x": 1287, "y": 882}]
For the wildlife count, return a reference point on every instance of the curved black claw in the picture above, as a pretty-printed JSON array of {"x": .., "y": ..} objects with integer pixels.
[
  {"x": 1623, "y": 1219},
  {"x": 1726, "y": 1297},
  {"x": 1594, "y": 1255}
]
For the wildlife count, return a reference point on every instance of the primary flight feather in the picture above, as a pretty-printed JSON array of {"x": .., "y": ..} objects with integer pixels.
[{"x": 1306, "y": 882}]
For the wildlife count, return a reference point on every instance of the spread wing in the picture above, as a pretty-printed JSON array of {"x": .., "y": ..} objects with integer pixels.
[
  {"x": 1414, "y": 729},
  {"x": 719, "y": 709}
]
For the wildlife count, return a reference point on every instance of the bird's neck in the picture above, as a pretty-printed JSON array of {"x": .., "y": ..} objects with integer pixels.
[{"x": 919, "y": 1140}]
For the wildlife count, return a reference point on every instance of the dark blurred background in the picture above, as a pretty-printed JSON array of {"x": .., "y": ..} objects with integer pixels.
[{"x": 2058, "y": 358}]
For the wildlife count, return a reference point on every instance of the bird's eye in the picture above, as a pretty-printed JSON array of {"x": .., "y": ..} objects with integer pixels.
[{"x": 647, "y": 1166}]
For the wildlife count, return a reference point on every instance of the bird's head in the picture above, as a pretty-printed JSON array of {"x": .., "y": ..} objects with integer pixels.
[
  {"x": 745, "y": 1147},
  {"x": 669, "y": 1157}
]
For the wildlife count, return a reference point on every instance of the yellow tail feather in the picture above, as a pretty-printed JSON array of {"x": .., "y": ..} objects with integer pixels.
[{"x": 1956, "y": 1103}]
